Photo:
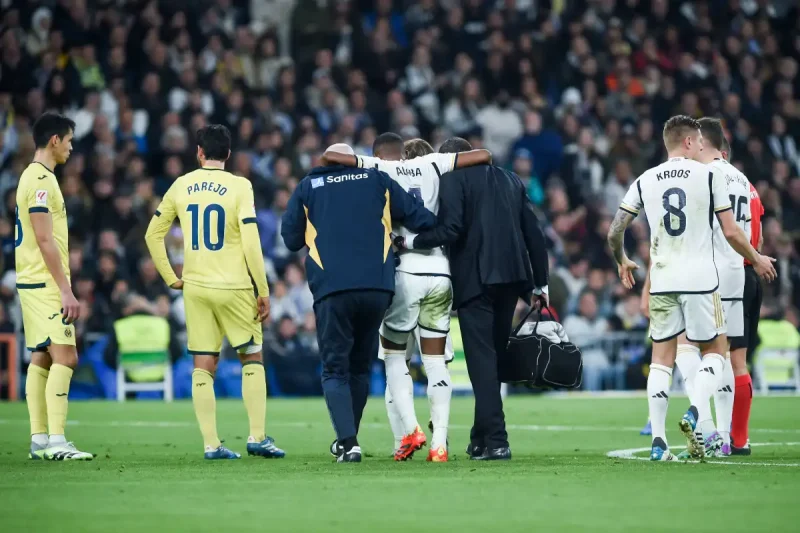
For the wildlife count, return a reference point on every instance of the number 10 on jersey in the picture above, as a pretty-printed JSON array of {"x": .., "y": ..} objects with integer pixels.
[{"x": 194, "y": 210}]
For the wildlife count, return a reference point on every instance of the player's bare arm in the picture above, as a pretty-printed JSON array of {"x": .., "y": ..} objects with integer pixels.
[
  {"x": 472, "y": 158},
  {"x": 738, "y": 240},
  {"x": 43, "y": 229},
  {"x": 616, "y": 236}
]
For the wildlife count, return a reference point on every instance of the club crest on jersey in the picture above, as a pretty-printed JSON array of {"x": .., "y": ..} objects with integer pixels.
[
  {"x": 41, "y": 197},
  {"x": 317, "y": 182},
  {"x": 410, "y": 172}
]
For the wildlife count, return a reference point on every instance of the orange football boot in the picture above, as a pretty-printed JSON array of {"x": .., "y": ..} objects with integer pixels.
[
  {"x": 410, "y": 443},
  {"x": 439, "y": 455}
]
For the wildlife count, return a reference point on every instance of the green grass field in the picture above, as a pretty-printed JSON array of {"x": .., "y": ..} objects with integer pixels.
[{"x": 150, "y": 475}]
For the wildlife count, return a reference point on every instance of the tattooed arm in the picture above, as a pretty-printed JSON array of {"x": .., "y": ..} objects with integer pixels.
[{"x": 616, "y": 236}]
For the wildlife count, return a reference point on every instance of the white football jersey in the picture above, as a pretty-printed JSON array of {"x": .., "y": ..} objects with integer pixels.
[
  {"x": 680, "y": 197},
  {"x": 729, "y": 262},
  {"x": 420, "y": 177}
]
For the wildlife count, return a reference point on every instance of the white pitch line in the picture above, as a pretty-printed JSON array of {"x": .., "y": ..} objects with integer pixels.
[
  {"x": 370, "y": 425},
  {"x": 629, "y": 454}
]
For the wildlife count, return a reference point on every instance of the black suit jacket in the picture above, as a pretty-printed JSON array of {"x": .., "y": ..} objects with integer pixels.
[{"x": 493, "y": 236}]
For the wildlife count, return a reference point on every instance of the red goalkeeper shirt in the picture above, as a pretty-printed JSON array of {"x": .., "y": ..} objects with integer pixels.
[{"x": 756, "y": 212}]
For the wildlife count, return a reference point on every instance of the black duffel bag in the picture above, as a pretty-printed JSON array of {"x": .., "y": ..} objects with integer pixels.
[{"x": 535, "y": 361}]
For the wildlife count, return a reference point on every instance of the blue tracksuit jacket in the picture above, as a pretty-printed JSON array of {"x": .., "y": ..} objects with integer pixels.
[{"x": 344, "y": 215}]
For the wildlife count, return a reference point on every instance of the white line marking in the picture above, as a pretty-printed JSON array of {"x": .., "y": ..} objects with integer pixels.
[
  {"x": 630, "y": 455},
  {"x": 370, "y": 425}
]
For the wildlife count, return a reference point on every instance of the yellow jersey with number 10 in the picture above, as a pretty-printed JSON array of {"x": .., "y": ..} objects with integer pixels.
[
  {"x": 38, "y": 192},
  {"x": 210, "y": 204}
]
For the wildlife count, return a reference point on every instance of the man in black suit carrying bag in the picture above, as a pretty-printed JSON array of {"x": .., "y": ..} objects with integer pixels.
[{"x": 497, "y": 254}]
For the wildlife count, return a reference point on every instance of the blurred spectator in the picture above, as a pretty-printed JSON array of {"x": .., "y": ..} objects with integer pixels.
[
  {"x": 293, "y": 360},
  {"x": 586, "y": 330},
  {"x": 572, "y": 96}
]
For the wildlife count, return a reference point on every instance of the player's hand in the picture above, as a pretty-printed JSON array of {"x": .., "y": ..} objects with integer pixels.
[
  {"x": 70, "y": 307},
  {"x": 644, "y": 305},
  {"x": 399, "y": 241},
  {"x": 178, "y": 285},
  {"x": 625, "y": 270},
  {"x": 765, "y": 268},
  {"x": 263, "y": 308}
]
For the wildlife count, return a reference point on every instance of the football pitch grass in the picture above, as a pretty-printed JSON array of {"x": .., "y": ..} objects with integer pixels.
[{"x": 149, "y": 474}]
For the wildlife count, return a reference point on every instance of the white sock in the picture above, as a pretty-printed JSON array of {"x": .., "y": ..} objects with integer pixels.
[
  {"x": 56, "y": 440},
  {"x": 688, "y": 361},
  {"x": 440, "y": 392},
  {"x": 39, "y": 439},
  {"x": 402, "y": 386},
  {"x": 706, "y": 382},
  {"x": 395, "y": 422},
  {"x": 658, "y": 398},
  {"x": 723, "y": 401}
]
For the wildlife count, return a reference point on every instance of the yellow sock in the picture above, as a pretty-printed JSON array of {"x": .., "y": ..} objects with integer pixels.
[
  {"x": 254, "y": 393},
  {"x": 35, "y": 385},
  {"x": 205, "y": 406},
  {"x": 56, "y": 392}
]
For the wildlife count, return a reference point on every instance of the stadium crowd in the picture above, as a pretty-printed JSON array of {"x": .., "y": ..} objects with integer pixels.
[{"x": 571, "y": 95}]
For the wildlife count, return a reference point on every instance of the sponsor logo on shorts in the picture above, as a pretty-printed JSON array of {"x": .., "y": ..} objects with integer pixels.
[
  {"x": 51, "y": 317},
  {"x": 68, "y": 333}
]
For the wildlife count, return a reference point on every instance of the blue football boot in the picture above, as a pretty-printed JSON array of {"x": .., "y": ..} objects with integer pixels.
[{"x": 266, "y": 448}]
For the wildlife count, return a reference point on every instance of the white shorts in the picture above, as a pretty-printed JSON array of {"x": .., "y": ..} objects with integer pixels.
[
  {"x": 731, "y": 279},
  {"x": 734, "y": 316},
  {"x": 424, "y": 301},
  {"x": 413, "y": 345},
  {"x": 701, "y": 316}
]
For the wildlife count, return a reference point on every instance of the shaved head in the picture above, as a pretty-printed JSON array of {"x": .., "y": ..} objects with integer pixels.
[{"x": 341, "y": 148}]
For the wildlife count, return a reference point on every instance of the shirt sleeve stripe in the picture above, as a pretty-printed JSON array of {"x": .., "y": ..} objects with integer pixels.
[
  {"x": 157, "y": 213},
  {"x": 38, "y": 210},
  {"x": 249, "y": 220},
  {"x": 455, "y": 161},
  {"x": 629, "y": 209},
  {"x": 722, "y": 209},
  {"x": 359, "y": 162}
]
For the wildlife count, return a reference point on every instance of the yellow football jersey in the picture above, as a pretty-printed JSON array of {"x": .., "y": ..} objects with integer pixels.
[
  {"x": 38, "y": 192},
  {"x": 213, "y": 207}
]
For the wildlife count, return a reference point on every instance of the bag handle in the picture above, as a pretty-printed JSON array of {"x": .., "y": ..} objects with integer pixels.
[{"x": 527, "y": 316}]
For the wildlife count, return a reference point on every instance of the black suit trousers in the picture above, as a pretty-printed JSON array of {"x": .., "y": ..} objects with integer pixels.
[{"x": 485, "y": 327}]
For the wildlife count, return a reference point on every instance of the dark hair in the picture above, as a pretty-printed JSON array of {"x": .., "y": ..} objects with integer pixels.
[
  {"x": 385, "y": 140},
  {"x": 726, "y": 147},
  {"x": 416, "y": 148},
  {"x": 454, "y": 145},
  {"x": 678, "y": 128},
  {"x": 215, "y": 141},
  {"x": 51, "y": 124},
  {"x": 711, "y": 128}
]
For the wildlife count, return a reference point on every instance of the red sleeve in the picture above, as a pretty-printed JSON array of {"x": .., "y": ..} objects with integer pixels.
[{"x": 756, "y": 212}]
